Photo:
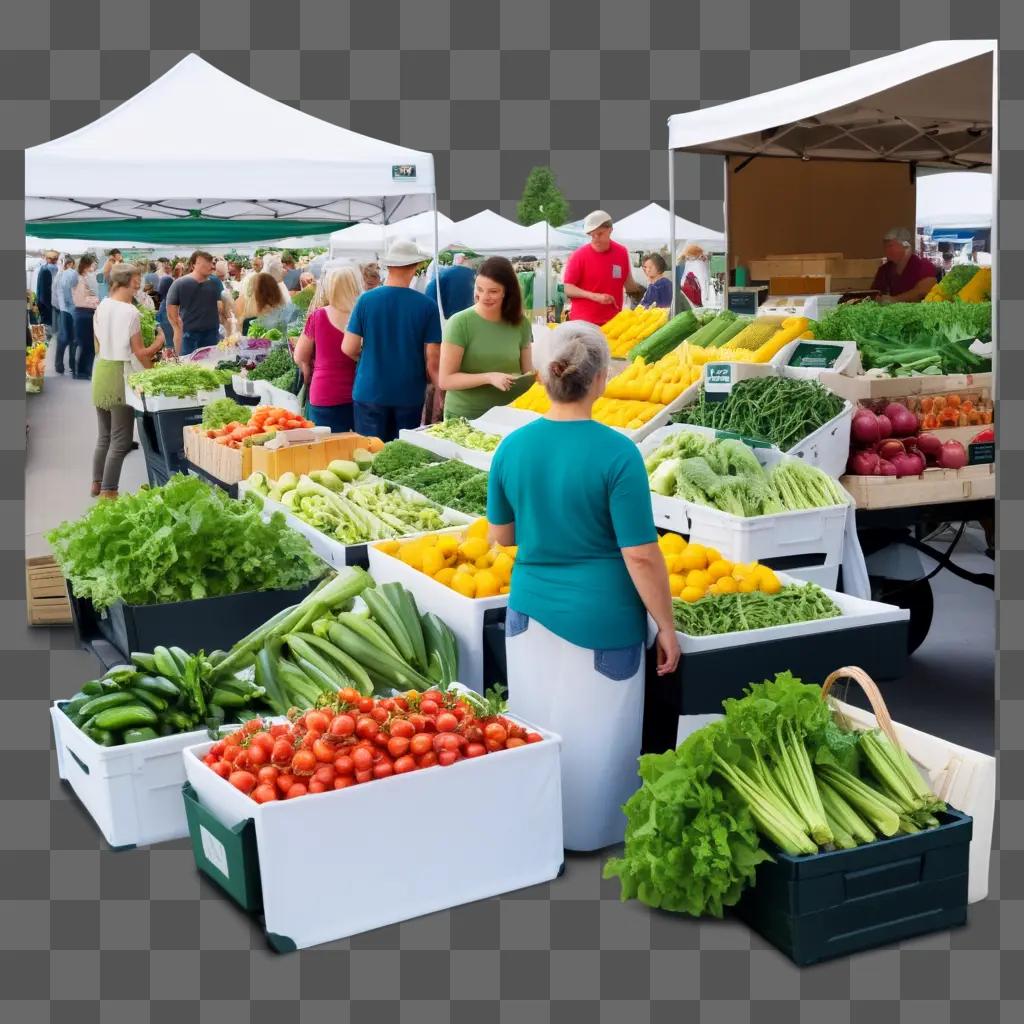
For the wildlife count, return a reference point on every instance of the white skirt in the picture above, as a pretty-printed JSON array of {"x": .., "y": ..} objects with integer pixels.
[{"x": 571, "y": 691}]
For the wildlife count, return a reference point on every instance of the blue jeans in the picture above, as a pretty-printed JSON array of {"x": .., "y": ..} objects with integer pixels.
[
  {"x": 192, "y": 340},
  {"x": 340, "y": 418},
  {"x": 83, "y": 353},
  {"x": 616, "y": 663},
  {"x": 385, "y": 421},
  {"x": 65, "y": 339}
]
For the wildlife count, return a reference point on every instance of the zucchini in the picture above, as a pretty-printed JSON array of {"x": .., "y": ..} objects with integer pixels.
[
  {"x": 666, "y": 338},
  {"x": 708, "y": 334},
  {"x": 104, "y": 703},
  {"x": 126, "y": 716}
]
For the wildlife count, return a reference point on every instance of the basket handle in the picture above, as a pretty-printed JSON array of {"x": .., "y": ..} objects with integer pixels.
[{"x": 873, "y": 694}]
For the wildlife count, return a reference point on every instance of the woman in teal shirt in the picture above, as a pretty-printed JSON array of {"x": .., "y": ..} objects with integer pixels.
[{"x": 573, "y": 495}]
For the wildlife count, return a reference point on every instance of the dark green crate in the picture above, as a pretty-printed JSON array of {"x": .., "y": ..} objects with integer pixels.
[
  {"x": 240, "y": 855},
  {"x": 814, "y": 908}
]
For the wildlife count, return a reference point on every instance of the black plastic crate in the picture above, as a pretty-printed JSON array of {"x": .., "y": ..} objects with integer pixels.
[
  {"x": 231, "y": 393},
  {"x": 814, "y": 908},
  {"x": 702, "y": 681},
  {"x": 161, "y": 437},
  {"x": 230, "y": 489},
  {"x": 212, "y": 623}
]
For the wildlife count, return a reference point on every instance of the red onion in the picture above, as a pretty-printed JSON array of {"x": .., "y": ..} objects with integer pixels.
[
  {"x": 863, "y": 463},
  {"x": 890, "y": 449},
  {"x": 884, "y": 427},
  {"x": 886, "y": 468},
  {"x": 911, "y": 464},
  {"x": 904, "y": 422},
  {"x": 929, "y": 446},
  {"x": 953, "y": 455},
  {"x": 864, "y": 427}
]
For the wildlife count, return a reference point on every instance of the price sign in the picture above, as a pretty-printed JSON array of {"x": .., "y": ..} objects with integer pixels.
[
  {"x": 717, "y": 381},
  {"x": 812, "y": 355}
]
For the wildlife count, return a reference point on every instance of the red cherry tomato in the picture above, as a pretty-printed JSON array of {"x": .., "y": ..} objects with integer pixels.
[
  {"x": 418, "y": 722},
  {"x": 343, "y": 764},
  {"x": 446, "y": 741},
  {"x": 434, "y": 695},
  {"x": 405, "y": 764},
  {"x": 397, "y": 746},
  {"x": 241, "y": 761},
  {"x": 367, "y": 728},
  {"x": 325, "y": 775},
  {"x": 343, "y": 725},
  {"x": 218, "y": 748},
  {"x": 447, "y": 757},
  {"x": 362, "y": 760},
  {"x": 534, "y": 737},
  {"x": 298, "y": 789},
  {"x": 403, "y": 728},
  {"x": 420, "y": 744},
  {"x": 221, "y": 768},
  {"x": 447, "y": 722},
  {"x": 285, "y": 781},
  {"x": 231, "y": 751},
  {"x": 495, "y": 731},
  {"x": 379, "y": 714},
  {"x": 427, "y": 760},
  {"x": 282, "y": 752},
  {"x": 264, "y": 794},
  {"x": 243, "y": 781},
  {"x": 317, "y": 787},
  {"x": 514, "y": 741},
  {"x": 268, "y": 774},
  {"x": 344, "y": 781},
  {"x": 475, "y": 750},
  {"x": 258, "y": 756},
  {"x": 429, "y": 707},
  {"x": 324, "y": 752},
  {"x": 364, "y": 776},
  {"x": 349, "y": 695},
  {"x": 254, "y": 725},
  {"x": 387, "y": 704},
  {"x": 317, "y": 720},
  {"x": 381, "y": 740},
  {"x": 365, "y": 704},
  {"x": 383, "y": 770},
  {"x": 278, "y": 730},
  {"x": 303, "y": 762}
]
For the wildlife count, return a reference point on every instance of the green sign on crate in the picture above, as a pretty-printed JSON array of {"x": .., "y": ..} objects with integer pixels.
[
  {"x": 751, "y": 442},
  {"x": 717, "y": 381},
  {"x": 812, "y": 355},
  {"x": 981, "y": 453}
]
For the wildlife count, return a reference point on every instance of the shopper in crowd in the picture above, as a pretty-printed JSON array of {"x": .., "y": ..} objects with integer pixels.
[
  {"x": 194, "y": 306},
  {"x": 328, "y": 373},
  {"x": 85, "y": 298},
  {"x": 152, "y": 276},
  {"x": 291, "y": 272},
  {"x": 178, "y": 270},
  {"x": 102, "y": 281},
  {"x": 394, "y": 334},
  {"x": 64, "y": 311},
  {"x": 487, "y": 346},
  {"x": 235, "y": 271},
  {"x": 273, "y": 266},
  {"x": 946, "y": 265},
  {"x": 261, "y": 298},
  {"x": 44, "y": 291},
  {"x": 659, "y": 287},
  {"x": 456, "y": 285},
  {"x": 306, "y": 279},
  {"x": 120, "y": 351},
  {"x": 904, "y": 276},
  {"x": 371, "y": 275},
  {"x": 582, "y": 586},
  {"x": 598, "y": 272}
]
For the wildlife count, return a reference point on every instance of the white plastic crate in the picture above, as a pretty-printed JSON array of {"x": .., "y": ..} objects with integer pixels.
[
  {"x": 463, "y": 615},
  {"x": 164, "y": 403},
  {"x": 278, "y": 397},
  {"x": 132, "y": 791},
  {"x": 847, "y": 363},
  {"x": 818, "y": 531},
  {"x": 422, "y": 438},
  {"x": 243, "y": 386},
  {"x": 515, "y": 840},
  {"x": 856, "y": 613},
  {"x": 333, "y": 552}
]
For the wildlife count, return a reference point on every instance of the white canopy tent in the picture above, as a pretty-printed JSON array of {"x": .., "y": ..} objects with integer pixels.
[
  {"x": 958, "y": 199},
  {"x": 490, "y": 233},
  {"x": 191, "y": 175},
  {"x": 372, "y": 239},
  {"x": 930, "y": 106},
  {"x": 650, "y": 228}
]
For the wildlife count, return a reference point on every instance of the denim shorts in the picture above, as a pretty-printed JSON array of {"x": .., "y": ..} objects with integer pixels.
[{"x": 615, "y": 663}]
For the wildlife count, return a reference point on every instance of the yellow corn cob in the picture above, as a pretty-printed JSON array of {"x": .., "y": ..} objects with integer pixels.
[
  {"x": 754, "y": 335},
  {"x": 791, "y": 329}
]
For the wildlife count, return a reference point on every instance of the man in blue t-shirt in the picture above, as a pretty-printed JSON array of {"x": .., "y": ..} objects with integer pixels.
[
  {"x": 394, "y": 333},
  {"x": 457, "y": 286},
  {"x": 194, "y": 306}
]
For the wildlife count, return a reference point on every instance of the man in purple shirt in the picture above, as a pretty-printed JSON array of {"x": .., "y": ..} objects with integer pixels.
[{"x": 904, "y": 276}]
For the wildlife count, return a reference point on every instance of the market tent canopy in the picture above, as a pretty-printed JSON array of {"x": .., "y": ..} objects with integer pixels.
[
  {"x": 488, "y": 232},
  {"x": 956, "y": 200},
  {"x": 931, "y": 104},
  {"x": 186, "y": 232},
  {"x": 372, "y": 239},
  {"x": 648, "y": 229},
  {"x": 306, "y": 169}
]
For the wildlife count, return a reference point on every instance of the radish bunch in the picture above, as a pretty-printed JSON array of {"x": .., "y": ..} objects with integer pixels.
[{"x": 886, "y": 441}]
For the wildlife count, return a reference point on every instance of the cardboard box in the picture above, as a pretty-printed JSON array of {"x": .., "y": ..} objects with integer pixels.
[
  {"x": 857, "y": 268},
  {"x": 798, "y": 285},
  {"x": 806, "y": 256},
  {"x": 302, "y": 458},
  {"x": 227, "y": 464}
]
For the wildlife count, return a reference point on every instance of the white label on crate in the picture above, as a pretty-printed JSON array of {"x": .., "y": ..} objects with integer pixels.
[
  {"x": 214, "y": 851},
  {"x": 717, "y": 381}
]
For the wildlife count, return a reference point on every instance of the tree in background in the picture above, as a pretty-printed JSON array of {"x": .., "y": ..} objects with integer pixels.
[{"x": 542, "y": 200}]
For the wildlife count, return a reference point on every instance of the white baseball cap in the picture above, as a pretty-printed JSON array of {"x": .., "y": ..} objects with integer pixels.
[
  {"x": 595, "y": 220},
  {"x": 404, "y": 252}
]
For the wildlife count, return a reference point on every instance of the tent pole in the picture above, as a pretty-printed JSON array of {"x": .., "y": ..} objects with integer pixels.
[
  {"x": 672, "y": 226},
  {"x": 547, "y": 266},
  {"x": 437, "y": 262}
]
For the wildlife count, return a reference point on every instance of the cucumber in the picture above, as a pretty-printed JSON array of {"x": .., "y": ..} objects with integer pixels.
[
  {"x": 179, "y": 721},
  {"x": 104, "y": 703},
  {"x": 159, "y": 685},
  {"x": 139, "y": 735},
  {"x": 104, "y": 737},
  {"x": 151, "y": 700},
  {"x": 228, "y": 699},
  {"x": 98, "y": 687},
  {"x": 75, "y": 705},
  {"x": 126, "y": 716},
  {"x": 165, "y": 663},
  {"x": 145, "y": 662}
]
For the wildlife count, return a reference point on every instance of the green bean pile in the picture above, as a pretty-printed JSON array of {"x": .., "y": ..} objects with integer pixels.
[
  {"x": 779, "y": 410},
  {"x": 737, "y": 613}
]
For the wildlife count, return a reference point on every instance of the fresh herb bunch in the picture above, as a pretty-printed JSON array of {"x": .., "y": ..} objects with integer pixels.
[
  {"x": 223, "y": 411},
  {"x": 778, "y": 410},
  {"x": 278, "y": 361},
  {"x": 397, "y": 458},
  {"x": 178, "y": 380},
  {"x": 180, "y": 542}
]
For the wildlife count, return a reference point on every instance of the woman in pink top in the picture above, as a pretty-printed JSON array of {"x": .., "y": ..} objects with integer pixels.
[{"x": 327, "y": 371}]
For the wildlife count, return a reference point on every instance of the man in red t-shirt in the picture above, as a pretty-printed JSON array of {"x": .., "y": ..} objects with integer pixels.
[
  {"x": 904, "y": 276},
  {"x": 597, "y": 273}
]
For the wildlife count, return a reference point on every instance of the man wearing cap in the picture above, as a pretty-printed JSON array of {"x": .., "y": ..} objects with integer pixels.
[
  {"x": 904, "y": 276},
  {"x": 394, "y": 334},
  {"x": 597, "y": 273}
]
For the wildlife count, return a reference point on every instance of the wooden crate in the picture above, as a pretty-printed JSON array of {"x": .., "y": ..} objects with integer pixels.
[
  {"x": 221, "y": 462},
  {"x": 873, "y": 389},
  {"x": 933, "y": 487},
  {"x": 302, "y": 458},
  {"x": 46, "y": 593}
]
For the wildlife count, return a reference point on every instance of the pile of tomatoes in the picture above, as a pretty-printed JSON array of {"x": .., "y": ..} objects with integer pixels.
[{"x": 356, "y": 739}]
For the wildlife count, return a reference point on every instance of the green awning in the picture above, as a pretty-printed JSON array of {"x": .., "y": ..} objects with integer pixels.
[{"x": 184, "y": 231}]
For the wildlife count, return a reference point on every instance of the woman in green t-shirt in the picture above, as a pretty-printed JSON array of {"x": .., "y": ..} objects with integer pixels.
[
  {"x": 486, "y": 348},
  {"x": 574, "y": 496}
]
